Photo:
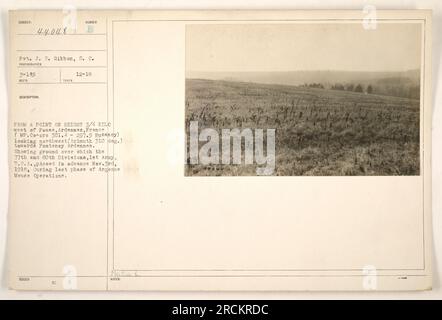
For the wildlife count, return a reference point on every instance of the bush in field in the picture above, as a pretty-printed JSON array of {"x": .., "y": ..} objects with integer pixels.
[{"x": 358, "y": 88}]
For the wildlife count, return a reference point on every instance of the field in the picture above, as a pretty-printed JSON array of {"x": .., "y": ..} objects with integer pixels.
[{"x": 319, "y": 132}]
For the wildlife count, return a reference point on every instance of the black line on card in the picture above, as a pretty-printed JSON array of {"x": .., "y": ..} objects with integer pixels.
[
  {"x": 260, "y": 20},
  {"x": 77, "y": 67},
  {"x": 107, "y": 154},
  {"x": 423, "y": 150},
  {"x": 63, "y": 50},
  {"x": 272, "y": 276},
  {"x": 61, "y": 83},
  {"x": 58, "y": 276},
  {"x": 236, "y": 276},
  {"x": 257, "y": 270},
  {"x": 61, "y": 35},
  {"x": 113, "y": 149}
]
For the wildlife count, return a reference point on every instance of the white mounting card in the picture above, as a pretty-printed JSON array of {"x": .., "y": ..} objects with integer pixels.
[{"x": 220, "y": 150}]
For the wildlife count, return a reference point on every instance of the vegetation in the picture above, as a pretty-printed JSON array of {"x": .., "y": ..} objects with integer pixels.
[{"x": 318, "y": 131}]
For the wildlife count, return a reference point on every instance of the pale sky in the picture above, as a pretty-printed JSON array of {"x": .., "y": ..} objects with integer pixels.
[{"x": 291, "y": 47}]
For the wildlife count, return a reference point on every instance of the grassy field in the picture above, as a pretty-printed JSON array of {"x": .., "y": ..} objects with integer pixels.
[{"x": 318, "y": 132}]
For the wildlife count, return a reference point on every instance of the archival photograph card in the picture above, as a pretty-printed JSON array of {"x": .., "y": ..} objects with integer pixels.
[{"x": 220, "y": 150}]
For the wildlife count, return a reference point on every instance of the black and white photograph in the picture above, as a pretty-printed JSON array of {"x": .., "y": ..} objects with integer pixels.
[
  {"x": 303, "y": 99},
  {"x": 228, "y": 153}
]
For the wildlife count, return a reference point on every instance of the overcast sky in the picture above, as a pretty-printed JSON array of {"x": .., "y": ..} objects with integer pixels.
[{"x": 291, "y": 47}]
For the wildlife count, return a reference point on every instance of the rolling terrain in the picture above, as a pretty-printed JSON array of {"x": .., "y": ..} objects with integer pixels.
[{"x": 319, "y": 132}]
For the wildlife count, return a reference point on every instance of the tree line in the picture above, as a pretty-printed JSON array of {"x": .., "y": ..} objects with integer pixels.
[
  {"x": 352, "y": 87},
  {"x": 396, "y": 90}
]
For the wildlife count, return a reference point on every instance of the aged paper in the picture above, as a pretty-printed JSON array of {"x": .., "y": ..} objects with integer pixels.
[{"x": 220, "y": 150}]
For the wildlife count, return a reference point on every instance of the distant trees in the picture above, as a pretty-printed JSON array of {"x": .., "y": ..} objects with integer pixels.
[
  {"x": 341, "y": 87},
  {"x": 388, "y": 87},
  {"x": 313, "y": 85},
  {"x": 316, "y": 85},
  {"x": 358, "y": 88},
  {"x": 351, "y": 87},
  {"x": 337, "y": 86}
]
